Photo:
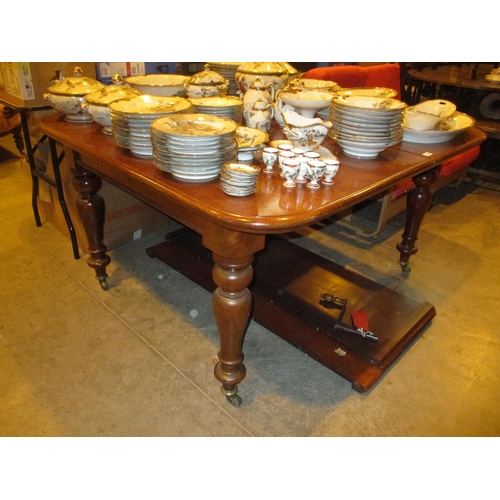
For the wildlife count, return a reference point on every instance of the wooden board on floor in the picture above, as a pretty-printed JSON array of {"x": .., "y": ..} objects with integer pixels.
[{"x": 286, "y": 290}]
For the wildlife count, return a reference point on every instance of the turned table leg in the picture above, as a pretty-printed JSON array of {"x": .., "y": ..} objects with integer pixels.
[
  {"x": 417, "y": 203},
  {"x": 232, "y": 304},
  {"x": 91, "y": 210}
]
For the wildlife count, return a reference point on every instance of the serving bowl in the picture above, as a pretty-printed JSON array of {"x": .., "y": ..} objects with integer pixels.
[
  {"x": 313, "y": 84},
  {"x": 366, "y": 91},
  {"x": 448, "y": 128},
  {"x": 427, "y": 115},
  {"x": 306, "y": 102},
  {"x": 97, "y": 103},
  {"x": 67, "y": 95},
  {"x": 304, "y": 132},
  {"x": 161, "y": 84},
  {"x": 438, "y": 107}
]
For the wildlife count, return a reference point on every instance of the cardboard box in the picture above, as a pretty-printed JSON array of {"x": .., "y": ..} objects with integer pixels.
[
  {"x": 106, "y": 70},
  {"x": 23, "y": 84},
  {"x": 127, "y": 218}
]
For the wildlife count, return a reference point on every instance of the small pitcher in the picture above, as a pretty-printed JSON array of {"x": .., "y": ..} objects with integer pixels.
[{"x": 259, "y": 116}]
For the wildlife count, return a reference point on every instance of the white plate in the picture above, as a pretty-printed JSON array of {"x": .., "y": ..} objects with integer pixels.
[
  {"x": 194, "y": 125},
  {"x": 150, "y": 104}
]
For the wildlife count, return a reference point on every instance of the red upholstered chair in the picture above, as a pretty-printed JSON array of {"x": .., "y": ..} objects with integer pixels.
[
  {"x": 384, "y": 75},
  {"x": 345, "y": 76}
]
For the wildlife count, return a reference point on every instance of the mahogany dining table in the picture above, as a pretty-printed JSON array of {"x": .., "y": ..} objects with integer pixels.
[{"x": 237, "y": 247}]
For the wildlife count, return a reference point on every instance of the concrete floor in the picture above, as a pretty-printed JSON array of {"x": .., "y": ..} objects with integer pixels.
[{"x": 137, "y": 360}]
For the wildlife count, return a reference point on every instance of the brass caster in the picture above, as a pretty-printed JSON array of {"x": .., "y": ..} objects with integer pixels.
[
  {"x": 104, "y": 284},
  {"x": 405, "y": 267},
  {"x": 232, "y": 396}
]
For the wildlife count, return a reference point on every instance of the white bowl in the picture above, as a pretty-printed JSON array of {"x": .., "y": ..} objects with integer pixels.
[
  {"x": 311, "y": 84},
  {"x": 438, "y": 107},
  {"x": 307, "y": 102},
  {"x": 367, "y": 91},
  {"x": 161, "y": 84},
  {"x": 417, "y": 120}
]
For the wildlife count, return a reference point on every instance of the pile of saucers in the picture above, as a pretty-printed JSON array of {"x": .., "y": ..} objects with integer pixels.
[
  {"x": 364, "y": 126},
  {"x": 193, "y": 146},
  {"x": 228, "y": 107},
  {"x": 239, "y": 179},
  {"x": 131, "y": 119}
]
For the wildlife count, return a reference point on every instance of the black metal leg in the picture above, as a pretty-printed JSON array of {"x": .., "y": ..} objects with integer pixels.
[
  {"x": 31, "y": 163},
  {"x": 56, "y": 160}
]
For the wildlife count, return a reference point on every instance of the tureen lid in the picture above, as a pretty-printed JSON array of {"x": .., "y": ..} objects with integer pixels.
[
  {"x": 263, "y": 68},
  {"x": 207, "y": 77},
  {"x": 76, "y": 84},
  {"x": 111, "y": 93}
]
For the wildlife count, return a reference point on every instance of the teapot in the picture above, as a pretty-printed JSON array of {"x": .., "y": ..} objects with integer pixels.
[
  {"x": 259, "y": 116},
  {"x": 258, "y": 91}
]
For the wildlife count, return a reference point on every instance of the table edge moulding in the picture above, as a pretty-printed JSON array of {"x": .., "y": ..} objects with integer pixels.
[{"x": 232, "y": 247}]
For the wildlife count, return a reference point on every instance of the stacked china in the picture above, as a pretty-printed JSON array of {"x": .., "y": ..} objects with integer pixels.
[
  {"x": 239, "y": 179},
  {"x": 364, "y": 126},
  {"x": 193, "y": 146},
  {"x": 228, "y": 107},
  {"x": 228, "y": 71},
  {"x": 131, "y": 120}
]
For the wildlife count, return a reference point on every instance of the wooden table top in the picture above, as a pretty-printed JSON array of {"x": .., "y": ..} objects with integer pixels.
[
  {"x": 458, "y": 76},
  {"x": 273, "y": 208}
]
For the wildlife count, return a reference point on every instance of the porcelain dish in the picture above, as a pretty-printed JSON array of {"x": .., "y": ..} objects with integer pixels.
[
  {"x": 306, "y": 102},
  {"x": 311, "y": 84},
  {"x": 437, "y": 107},
  {"x": 131, "y": 119},
  {"x": 275, "y": 73},
  {"x": 66, "y": 96},
  {"x": 250, "y": 138},
  {"x": 238, "y": 178},
  {"x": 228, "y": 71},
  {"x": 364, "y": 126},
  {"x": 448, "y": 129},
  {"x": 226, "y": 106},
  {"x": 367, "y": 91},
  {"x": 305, "y": 132},
  {"x": 206, "y": 83},
  {"x": 161, "y": 84},
  {"x": 98, "y": 102},
  {"x": 193, "y": 147}
]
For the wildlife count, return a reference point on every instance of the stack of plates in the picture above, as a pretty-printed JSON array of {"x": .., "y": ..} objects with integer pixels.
[
  {"x": 131, "y": 119},
  {"x": 228, "y": 71},
  {"x": 239, "y": 179},
  {"x": 228, "y": 106},
  {"x": 364, "y": 126},
  {"x": 193, "y": 146}
]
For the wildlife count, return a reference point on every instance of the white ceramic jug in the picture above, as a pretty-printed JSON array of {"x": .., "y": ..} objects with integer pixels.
[{"x": 259, "y": 116}]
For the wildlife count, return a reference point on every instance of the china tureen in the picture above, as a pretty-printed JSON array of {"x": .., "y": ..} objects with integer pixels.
[
  {"x": 206, "y": 83},
  {"x": 275, "y": 73},
  {"x": 98, "y": 102},
  {"x": 67, "y": 95}
]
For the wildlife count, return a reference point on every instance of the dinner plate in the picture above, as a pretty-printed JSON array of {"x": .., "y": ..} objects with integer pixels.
[
  {"x": 248, "y": 137},
  {"x": 194, "y": 125},
  {"x": 150, "y": 105}
]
